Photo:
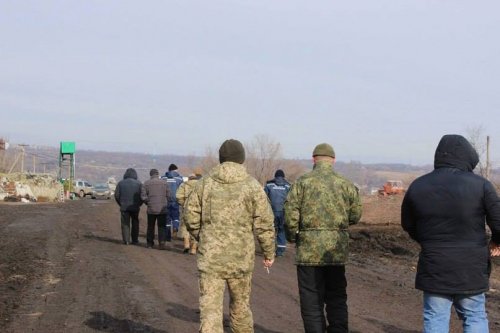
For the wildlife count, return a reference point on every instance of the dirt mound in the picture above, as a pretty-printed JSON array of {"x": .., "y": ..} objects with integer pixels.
[{"x": 382, "y": 210}]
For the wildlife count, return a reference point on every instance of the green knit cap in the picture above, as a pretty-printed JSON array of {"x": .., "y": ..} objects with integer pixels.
[
  {"x": 232, "y": 151},
  {"x": 324, "y": 149}
]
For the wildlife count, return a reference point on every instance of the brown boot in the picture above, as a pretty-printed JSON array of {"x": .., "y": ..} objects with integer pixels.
[
  {"x": 161, "y": 246},
  {"x": 186, "y": 244}
]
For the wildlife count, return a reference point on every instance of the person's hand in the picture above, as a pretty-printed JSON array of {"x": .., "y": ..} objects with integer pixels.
[
  {"x": 494, "y": 249},
  {"x": 268, "y": 262}
]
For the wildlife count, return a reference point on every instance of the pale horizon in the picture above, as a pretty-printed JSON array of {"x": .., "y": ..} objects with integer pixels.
[{"x": 380, "y": 81}]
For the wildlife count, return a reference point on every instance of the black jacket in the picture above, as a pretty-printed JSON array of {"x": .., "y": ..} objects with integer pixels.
[
  {"x": 128, "y": 192},
  {"x": 445, "y": 212}
]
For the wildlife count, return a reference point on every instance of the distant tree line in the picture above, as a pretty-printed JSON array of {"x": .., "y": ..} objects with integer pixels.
[{"x": 263, "y": 157}]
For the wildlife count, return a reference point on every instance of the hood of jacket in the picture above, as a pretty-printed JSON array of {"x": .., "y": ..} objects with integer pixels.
[
  {"x": 172, "y": 174},
  {"x": 228, "y": 173},
  {"x": 279, "y": 181},
  {"x": 130, "y": 173},
  {"x": 454, "y": 151}
]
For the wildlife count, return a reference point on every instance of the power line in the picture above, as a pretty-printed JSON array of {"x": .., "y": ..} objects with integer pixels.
[{"x": 110, "y": 167}]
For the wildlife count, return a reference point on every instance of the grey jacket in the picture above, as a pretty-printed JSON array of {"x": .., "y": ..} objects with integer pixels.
[{"x": 155, "y": 194}]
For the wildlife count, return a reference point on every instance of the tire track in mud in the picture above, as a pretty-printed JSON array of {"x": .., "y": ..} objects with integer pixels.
[
  {"x": 73, "y": 274},
  {"x": 275, "y": 296},
  {"x": 173, "y": 276},
  {"x": 93, "y": 287},
  {"x": 39, "y": 225}
]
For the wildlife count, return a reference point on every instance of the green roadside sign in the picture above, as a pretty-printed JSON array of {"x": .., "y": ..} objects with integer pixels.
[{"x": 68, "y": 147}]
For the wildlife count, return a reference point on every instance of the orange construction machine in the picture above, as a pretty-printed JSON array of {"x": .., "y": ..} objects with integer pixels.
[{"x": 392, "y": 187}]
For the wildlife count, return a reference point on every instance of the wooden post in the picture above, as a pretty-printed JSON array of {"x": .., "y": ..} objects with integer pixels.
[{"x": 23, "y": 150}]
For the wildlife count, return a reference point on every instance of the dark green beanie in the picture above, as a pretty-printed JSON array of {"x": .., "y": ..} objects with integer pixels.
[
  {"x": 232, "y": 151},
  {"x": 323, "y": 149}
]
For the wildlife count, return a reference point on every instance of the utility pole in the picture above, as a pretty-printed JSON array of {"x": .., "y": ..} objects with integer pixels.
[
  {"x": 22, "y": 156},
  {"x": 44, "y": 166},
  {"x": 14, "y": 164},
  {"x": 488, "y": 166}
]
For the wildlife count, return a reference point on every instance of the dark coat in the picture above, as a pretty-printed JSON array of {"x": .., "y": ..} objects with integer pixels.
[
  {"x": 174, "y": 180},
  {"x": 277, "y": 190},
  {"x": 128, "y": 192},
  {"x": 445, "y": 212},
  {"x": 155, "y": 194}
]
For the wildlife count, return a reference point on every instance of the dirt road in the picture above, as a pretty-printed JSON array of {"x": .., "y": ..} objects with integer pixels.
[{"x": 63, "y": 268}]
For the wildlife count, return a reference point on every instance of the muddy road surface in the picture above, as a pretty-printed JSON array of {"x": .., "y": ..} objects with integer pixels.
[{"x": 63, "y": 268}]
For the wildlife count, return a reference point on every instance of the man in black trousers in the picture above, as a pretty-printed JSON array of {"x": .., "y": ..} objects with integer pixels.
[
  {"x": 155, "y": 194},
  {"x": 128, "y": 197}
]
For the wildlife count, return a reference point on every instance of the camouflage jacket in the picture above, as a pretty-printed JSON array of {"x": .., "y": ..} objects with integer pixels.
[
  {"x": 184, "y": 190},
  {"x": 319, "y": 208},
  {"x": 223, "y": 212}
]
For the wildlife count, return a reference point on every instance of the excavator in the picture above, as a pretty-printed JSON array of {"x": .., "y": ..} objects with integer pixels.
[{"x": 392, "y": 187}]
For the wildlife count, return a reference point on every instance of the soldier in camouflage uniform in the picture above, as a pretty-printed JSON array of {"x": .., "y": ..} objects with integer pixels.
[
  {"x": 223, "y": 212},
  {"x": 190, "y": 244},
  {"x": 319, "y": 208}
]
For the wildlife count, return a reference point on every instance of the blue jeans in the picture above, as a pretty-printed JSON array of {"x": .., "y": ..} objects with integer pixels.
[
  {"x": 279, "y": 227},
  {"x": 173, "y": 215},
  {"x": 470, "y": 309}
]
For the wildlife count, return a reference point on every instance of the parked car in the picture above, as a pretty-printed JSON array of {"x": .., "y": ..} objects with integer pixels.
[
  {"x": 101, "y": 191},
  {"x": 82, "y": 188}
]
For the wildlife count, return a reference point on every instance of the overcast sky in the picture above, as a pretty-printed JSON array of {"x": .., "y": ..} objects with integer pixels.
[{"x": 381, "y": 81}]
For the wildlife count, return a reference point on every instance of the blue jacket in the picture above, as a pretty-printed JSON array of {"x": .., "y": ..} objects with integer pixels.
[
  {"x": 277, "y": 191},
  {"x": 174, "y": 180}
]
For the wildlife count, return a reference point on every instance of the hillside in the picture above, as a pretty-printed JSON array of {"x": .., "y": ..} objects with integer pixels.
[{"x": 97, "y": 166}]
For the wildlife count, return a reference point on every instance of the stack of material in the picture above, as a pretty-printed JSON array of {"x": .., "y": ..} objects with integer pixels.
[
  {"x": 17, "y": 191},
  {"x": 29, "y": 188},
  {"x": 3, "y": 193},
  {"x": 24, "y": 191},
  {"x": 10, "y": 188}
]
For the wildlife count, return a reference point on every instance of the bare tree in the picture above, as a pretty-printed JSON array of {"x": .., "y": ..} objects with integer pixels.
[
  {"x": 209, "y": 160},
  {"x": 194, "y": 164},
  {"x": 263, "y": 157},
  {"x": 480, "y": 142},
  {"x": 293, "y": 169}
]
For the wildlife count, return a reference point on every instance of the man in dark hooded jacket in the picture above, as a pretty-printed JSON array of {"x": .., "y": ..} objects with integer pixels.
[
  {"x": 445, "y": 212},
  {"x": 128, "y": 197},
  {"x": 277, "y": 190}
]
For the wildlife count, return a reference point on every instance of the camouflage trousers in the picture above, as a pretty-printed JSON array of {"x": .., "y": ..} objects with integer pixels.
[
  {"x": 189, "y": 241},
  {"x": 211, "y": 304}
]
